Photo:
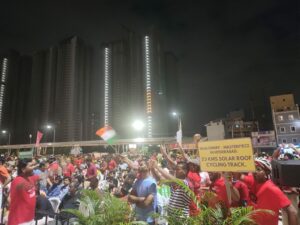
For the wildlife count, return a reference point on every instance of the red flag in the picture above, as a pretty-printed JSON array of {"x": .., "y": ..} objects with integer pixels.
[{"x": 39, "y": 136}]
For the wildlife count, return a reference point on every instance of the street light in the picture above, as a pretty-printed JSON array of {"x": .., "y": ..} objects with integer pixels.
[
  {"x": 177, "y": 116},
  {"x": 6, "y": 132},
  {"x": 50, "y": 127},
  {"x": 30, "y": 136},
  {"x": 138, "y": 125}
]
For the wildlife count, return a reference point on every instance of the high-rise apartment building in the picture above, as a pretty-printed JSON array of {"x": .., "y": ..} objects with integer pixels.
[
  {"x": 172, "y": 89},
  {"x": 157, "y": 120},
  {"x": 123, "y": 84},
  {"x": 15, "y": 71},
  {"x": 116, "y": 82},
  {"x": 49, "y": 82},
  {"x": 135, "y": 85},
  {"x": 20, "y": 131},
  {"x": 60, "y": 90},
  {"x": 72, "y": 89},
  {"x": 33, "y": 112}
]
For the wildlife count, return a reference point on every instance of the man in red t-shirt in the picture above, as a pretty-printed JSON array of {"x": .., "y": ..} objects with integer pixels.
[
  {"x": 69, "y": 168},
  {"x": 112, "y": 165},
  {"x": 78, "y": 161},
  {"x": 243, "y": 191},
  {"x": 218, "y": 186},
  {"x": 4, "y": 179},
  {"x": 22, "y": 194},
  {"x": 91, "y": 170},
  {"x": 194, "y": 181},
  {"x": 54, "y": 168},
  {"x": 270, "y": 197}
]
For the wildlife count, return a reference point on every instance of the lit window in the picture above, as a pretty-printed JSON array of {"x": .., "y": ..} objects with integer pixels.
[
  {"x": 282, "y": 129},
  {"x": 291, "y": 117},
  {"x": 293, "y": 129},
  {"x": 280, "y": 118}
]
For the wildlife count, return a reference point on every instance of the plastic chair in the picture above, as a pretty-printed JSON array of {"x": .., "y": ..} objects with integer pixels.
[{"x": 55, "y": 202}]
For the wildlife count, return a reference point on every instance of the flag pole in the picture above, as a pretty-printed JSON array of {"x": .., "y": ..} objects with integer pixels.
[{"x": 179, "y": 132}]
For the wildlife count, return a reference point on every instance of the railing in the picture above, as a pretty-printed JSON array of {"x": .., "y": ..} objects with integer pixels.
[
  {"x": 62, "y": 218},
  {"x": 164, "y": 140}
]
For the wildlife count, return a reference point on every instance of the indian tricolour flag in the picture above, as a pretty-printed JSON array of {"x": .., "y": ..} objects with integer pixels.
[{"x": 108, "y": 134}]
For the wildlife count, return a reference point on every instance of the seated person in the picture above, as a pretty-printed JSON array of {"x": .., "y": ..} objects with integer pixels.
[
  {"x": 94, "y": 185},
  {"x": 112, "y": 181},
  {"x": 65, "y": 187},
  {"x": 59, "y": 189},
  {"x": 43, "y": 207},
  {"x": 70, "y": 201},
  {"x": 127, "y": 185}
]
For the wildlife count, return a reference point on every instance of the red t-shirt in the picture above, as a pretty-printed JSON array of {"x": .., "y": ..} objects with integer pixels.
[
  {"x": 250, "y": 182},
  {"x": 78, "y": 162},
  {"x": 69, "y": 170},
  {"x": 112, "y": 165},
  {"x": 53, "y": 166},
  {"x": 194, "y": 181},
  {"x": 23, "y": 199},
  {"x": 253, "y": 187},
  {"x": 269, "y": 196},
  {"x": 53, "y": 169},
  {"x": 91, "y": 171},
  {"x": 219, "y": 188},
  {"x": 3, "y": 174},
  {"x": 243, "y": 191}
]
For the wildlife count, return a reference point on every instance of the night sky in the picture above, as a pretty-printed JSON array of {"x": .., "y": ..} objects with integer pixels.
[{"x": 232, "y": 53}]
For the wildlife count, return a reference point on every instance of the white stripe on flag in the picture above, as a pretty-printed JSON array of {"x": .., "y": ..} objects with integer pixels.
[{"x": 109, "y": 134}]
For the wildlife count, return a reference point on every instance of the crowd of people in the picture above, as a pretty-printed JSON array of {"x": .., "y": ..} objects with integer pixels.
[{"x": 33, "y": 188}]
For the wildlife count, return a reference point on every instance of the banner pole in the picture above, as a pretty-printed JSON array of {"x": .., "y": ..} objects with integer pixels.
[{"x": 228, "y": 191}]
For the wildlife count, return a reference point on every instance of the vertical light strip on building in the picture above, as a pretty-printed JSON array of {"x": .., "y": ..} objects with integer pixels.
[
  {"x": 4, "y": 70},
  {"x": 2, "y": 85},
  {"x": 106, "y": 85},
  {"x": 148, "y": 86}
]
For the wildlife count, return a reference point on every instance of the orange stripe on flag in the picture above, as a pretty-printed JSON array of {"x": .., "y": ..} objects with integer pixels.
[{"x": 101, "y": 131}]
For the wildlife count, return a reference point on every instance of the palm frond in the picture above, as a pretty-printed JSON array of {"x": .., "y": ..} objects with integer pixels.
[
  {"x": 101, "y": 210},
  {"x": 245, "y": 215},
  {"x": 180, "y": 183}
]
